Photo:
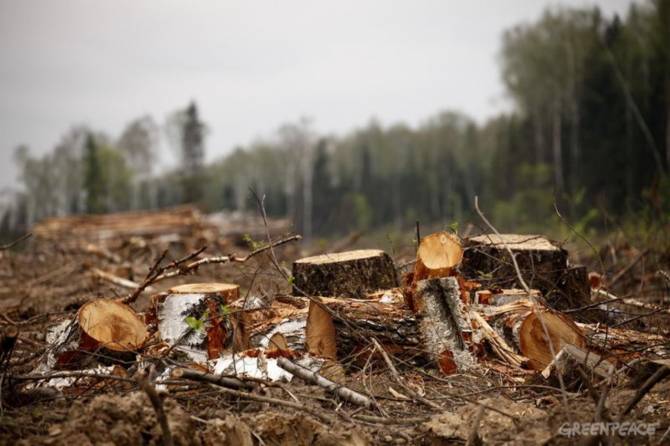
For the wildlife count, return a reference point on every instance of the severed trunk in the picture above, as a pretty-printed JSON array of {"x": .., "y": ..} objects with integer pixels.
[
  {"x": 486, "y": 260},
  {"x": 523, "y": 329},
  {"x": 444, "y": 324},
  {"x": 196, "y": 319},
  {"x": 344, "y": 274},
  {"x": 437, "y": 256},
  {"x": 104, "y": 330},
  {"x": 345, "y": 327}
]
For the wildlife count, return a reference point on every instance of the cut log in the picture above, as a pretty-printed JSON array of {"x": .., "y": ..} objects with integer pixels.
[
  {"x": 112, "y": 325},
  {"x": 437, "y": 256},
  {"x": 196, "y": 319},
  {"x": 568, "y": 359},
  {"x": 542, "y": 264},
  {"x": 344, "y": 274},
  {"x": 522, "y": 324},
  {"x": 356, "y": 321},
  {"x": 320, "y": 333},
  {"x": 445, "y": 325},
  {"x": 111, "y": 329}
]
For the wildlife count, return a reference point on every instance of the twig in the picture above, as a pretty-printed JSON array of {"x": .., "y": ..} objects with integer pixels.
[
  {"x": 628, "y": 267},
  {"x": 654, "y": 379},
  {"x": 157, "y": 403},
  {"x": 399, "y": 380},
  {"x": 418, "y": 235},
  {"x": 473, "y": 438},
  {"x": 120, "y": 281},
  {"x": 276, "y": 401},
  {"x": 157, "y": 274},
  {"x": 15, "y": 242},
  {"x": 314, "y": 378},
  {"x": 70, "y": 374},
  {"x": 224, "y": 259},
  {"x": 223, "y": 381}
]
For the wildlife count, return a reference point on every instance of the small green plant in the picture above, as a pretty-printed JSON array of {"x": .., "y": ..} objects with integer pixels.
[
  {"x": 197, "y": 324},
  {"x": 253, "y": 244}
]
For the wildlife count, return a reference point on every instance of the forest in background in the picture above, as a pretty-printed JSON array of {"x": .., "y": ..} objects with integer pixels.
[{"x": 589, "y": 131}]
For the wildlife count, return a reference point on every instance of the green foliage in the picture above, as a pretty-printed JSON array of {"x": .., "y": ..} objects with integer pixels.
[
  {"x": 194, "y": 323},
  {"x": 589, "y": 129}
]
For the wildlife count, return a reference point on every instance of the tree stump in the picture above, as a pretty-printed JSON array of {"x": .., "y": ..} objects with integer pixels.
[
  {"x": 109, "y": 328},
  {"x": 437, "y": 256},
  {"x": 196, "y": 319},
  {"x": 344, "y": 274},
  {"x": 542, "y": 264}
]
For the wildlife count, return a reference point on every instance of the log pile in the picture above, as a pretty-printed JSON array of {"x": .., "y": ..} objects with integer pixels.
[{"x": 173, "y": 222}]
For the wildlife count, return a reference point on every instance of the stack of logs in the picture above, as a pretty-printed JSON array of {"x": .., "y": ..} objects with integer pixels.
[{"x": 460, "y": 304}]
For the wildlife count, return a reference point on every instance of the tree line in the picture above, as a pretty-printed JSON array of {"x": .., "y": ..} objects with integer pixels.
[{"x": 589, "y": 131}]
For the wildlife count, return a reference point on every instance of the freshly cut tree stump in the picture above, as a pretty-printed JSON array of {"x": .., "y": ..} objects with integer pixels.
[
  {"x": 521, "y": 325},
  {"x": 445, "y": 324},
  {"x": 437, "y": 256},
  {"x": 486, "y": 260},
  {"x": 108, "y": 327},
  {"x": 113, "y": 325},
  {"x": 344, "y": 274},
  {"x": 356, "y": 321},
  {"x": 196, "y": 319},
  {"x": 225, "y": 291}
]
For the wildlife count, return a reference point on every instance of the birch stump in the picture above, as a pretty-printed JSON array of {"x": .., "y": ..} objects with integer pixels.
[
  {"x": 196, "y": 319},
  {"x": 344, "y": 274}
]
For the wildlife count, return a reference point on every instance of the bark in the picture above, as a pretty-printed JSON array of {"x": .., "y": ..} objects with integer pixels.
[
  {"x": 445, "y": 325},
  {"x": 355, "y": 322},
  {"x": 196, "y": 319},
  {"x": 345, "y": 274},
  {"x": 542, "y": 264}
]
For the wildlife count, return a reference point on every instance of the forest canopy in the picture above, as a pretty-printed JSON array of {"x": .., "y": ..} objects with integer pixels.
[{"x": 589, "y": 130}]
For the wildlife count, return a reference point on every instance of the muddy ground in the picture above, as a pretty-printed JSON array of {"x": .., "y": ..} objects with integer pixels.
[{"x": 44, "y": 282}]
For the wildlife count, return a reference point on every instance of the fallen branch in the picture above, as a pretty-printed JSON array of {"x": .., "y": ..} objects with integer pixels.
[
  {"x": 223, "y": 381},
  {"x": 15, "y": 242},
  {"x": 120, "y": 281},
  {"x": 399, "y": 380},
  {"x": 314, "y": 378},
  {"x": 157, "y": 403},
  {"x": 180, "y": 267},
  {"x": 654, "y": 379},
  {"x": 224, "y": 259},
  {"x": 628, "y": 267}
]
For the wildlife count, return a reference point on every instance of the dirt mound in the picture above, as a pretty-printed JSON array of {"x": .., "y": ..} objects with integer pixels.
[{"x": 119, "y": 420}]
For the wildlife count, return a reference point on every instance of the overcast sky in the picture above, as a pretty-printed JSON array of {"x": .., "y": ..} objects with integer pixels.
[{"x": 251, "y": 66}]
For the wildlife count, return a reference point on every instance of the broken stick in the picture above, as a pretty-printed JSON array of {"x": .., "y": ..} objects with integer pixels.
[{"x": 314, "y": 378}]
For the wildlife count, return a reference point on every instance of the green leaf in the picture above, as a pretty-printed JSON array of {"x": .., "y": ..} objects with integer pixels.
[{"x": 195, "y": 324}]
